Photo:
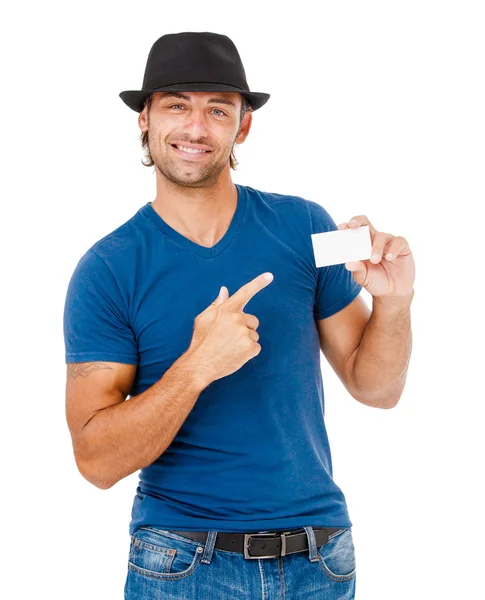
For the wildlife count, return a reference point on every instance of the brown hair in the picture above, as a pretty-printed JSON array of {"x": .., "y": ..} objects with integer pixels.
[{"x": 245, "y": 107}]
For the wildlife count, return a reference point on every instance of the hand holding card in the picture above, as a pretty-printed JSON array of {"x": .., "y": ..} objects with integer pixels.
[{"x": 341, "y": 246}]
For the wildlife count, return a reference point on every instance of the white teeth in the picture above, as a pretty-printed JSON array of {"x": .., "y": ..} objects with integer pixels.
[{"x": 193, "y": 150}]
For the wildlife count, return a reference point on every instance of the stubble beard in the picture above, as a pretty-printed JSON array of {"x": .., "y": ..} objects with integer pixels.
[{"x": 193, "y": 174}]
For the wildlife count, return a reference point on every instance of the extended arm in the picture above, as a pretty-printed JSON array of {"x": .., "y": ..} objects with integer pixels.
[
  {"x": 378, "y": 366},
  {"x": 370, "y": 351}
]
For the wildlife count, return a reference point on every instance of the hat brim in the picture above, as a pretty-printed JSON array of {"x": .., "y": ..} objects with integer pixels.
[{"x": 135, "y": 98}]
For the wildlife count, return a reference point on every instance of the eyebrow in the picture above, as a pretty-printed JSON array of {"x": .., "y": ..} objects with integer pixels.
[{"x": 217, "y": 100}]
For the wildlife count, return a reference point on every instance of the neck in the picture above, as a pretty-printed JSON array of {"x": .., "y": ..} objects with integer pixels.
[{"x": 202, "y": 214}]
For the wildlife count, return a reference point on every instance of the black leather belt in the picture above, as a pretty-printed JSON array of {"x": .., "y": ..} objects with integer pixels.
[{"x": 265, "y": 545}]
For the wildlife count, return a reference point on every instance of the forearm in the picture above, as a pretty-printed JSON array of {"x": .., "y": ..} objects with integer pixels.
[
  {"x": 381, "y": 361},
  {"x": 131, "y": 435}
]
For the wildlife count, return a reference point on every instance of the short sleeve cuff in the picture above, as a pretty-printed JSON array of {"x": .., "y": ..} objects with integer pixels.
[
  {"x": 342, "y": 303},
  {"x": 105, "y": 356}
]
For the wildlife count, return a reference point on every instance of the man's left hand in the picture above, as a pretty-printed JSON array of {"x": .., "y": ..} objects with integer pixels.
[{"x": 390, "y": 271}]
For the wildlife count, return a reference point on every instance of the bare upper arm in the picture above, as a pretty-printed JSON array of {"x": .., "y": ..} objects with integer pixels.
[
  {"x": 91, "y": 387},
  {"x": 340, "y": 336}
]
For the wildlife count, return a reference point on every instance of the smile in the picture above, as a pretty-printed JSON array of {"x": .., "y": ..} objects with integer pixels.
[{"x": 190, "y": 153}]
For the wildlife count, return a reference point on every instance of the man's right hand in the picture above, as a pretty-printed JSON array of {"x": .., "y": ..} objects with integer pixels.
[{"x": 224, "y": 337}]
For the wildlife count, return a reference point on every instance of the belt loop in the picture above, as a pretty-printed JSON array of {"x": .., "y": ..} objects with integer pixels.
[
  {"x": 312, "y": 543},
  {"x": 210, "y": 542},
  {"x": 283, "y": 544}
]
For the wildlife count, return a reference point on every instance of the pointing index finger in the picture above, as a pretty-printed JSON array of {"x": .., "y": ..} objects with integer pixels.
[{"x": 244, "y": 294}]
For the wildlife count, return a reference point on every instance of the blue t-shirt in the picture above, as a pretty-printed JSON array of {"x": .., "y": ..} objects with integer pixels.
[{"x": 253, "y": 454}]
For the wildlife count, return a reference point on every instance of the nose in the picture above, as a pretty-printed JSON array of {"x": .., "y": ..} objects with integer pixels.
[{"x": 195, "y": 123}]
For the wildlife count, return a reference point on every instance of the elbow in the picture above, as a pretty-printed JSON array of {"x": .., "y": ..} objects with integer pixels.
[
  {"x": 388, "y": 403},
  {"x": 101, "y": 484},
  {"x": 375, "y": 400},
  {"x": 378, "y": 398},
  {"x": 93, "y": 474}
]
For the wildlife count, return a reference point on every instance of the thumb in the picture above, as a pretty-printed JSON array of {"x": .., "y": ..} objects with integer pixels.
[{"x": 223, "y": 294}]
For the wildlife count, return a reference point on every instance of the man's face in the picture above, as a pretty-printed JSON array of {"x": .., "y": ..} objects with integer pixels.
[{"x": 202, "y": 119}]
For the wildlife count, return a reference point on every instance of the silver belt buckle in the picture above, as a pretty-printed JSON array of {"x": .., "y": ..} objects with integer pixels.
[{"x": 249, "y": 535}]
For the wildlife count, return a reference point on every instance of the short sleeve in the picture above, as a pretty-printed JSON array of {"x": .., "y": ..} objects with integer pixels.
[
  {"x": 336, "y": 286},
  {"x": 95, "y": 318}
]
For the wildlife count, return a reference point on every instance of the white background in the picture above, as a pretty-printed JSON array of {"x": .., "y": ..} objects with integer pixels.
[{"x": 376, "y": 108}]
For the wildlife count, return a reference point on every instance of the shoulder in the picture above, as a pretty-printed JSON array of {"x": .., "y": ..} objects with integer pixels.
[
  {"x": 110, "y": 261},
  {"x": 119, "y": 243},
  {"x": 116, "y": 250},
  {"x": 289, "y": 203},
  {"x": 311, "y": 211}
]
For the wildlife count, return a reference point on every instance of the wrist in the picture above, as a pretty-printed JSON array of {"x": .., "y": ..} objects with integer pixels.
[
  {"x": 397, "y": 301},
  {"x": 195, "y": 370}
]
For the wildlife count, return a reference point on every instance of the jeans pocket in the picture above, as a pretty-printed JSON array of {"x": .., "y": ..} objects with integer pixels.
[
  {"x": 337, "y": 557},
  {"x": 161, "y": 554}
]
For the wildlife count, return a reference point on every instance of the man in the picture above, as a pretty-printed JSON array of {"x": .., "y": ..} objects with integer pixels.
[{"x": 225, "y": 416}]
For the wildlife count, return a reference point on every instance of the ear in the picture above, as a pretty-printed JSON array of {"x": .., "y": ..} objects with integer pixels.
[
  {"x": 244, "y": 127},
  {"x": 143, "y": 119}
]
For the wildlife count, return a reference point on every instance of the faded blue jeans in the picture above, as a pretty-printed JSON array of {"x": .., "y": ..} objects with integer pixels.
[{"x": 166, "y": 566}]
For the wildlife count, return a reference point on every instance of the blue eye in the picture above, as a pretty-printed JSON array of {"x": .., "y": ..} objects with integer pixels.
[{"x": 218, "y": 109}]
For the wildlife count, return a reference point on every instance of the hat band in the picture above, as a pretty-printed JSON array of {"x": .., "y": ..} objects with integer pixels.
[
  {"x": 180, "y": 78},
  {"x": 237, "y": 89}
]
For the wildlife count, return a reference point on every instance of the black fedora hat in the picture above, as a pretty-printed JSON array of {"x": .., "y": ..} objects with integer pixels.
[{"x": 193, "y": 61}]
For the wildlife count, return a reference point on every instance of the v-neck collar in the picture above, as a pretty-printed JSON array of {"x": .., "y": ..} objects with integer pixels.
[{"x": 148, "y": 211}]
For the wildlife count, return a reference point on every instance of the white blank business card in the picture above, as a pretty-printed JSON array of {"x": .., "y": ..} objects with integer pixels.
[{"x": 341, "y": 246}]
